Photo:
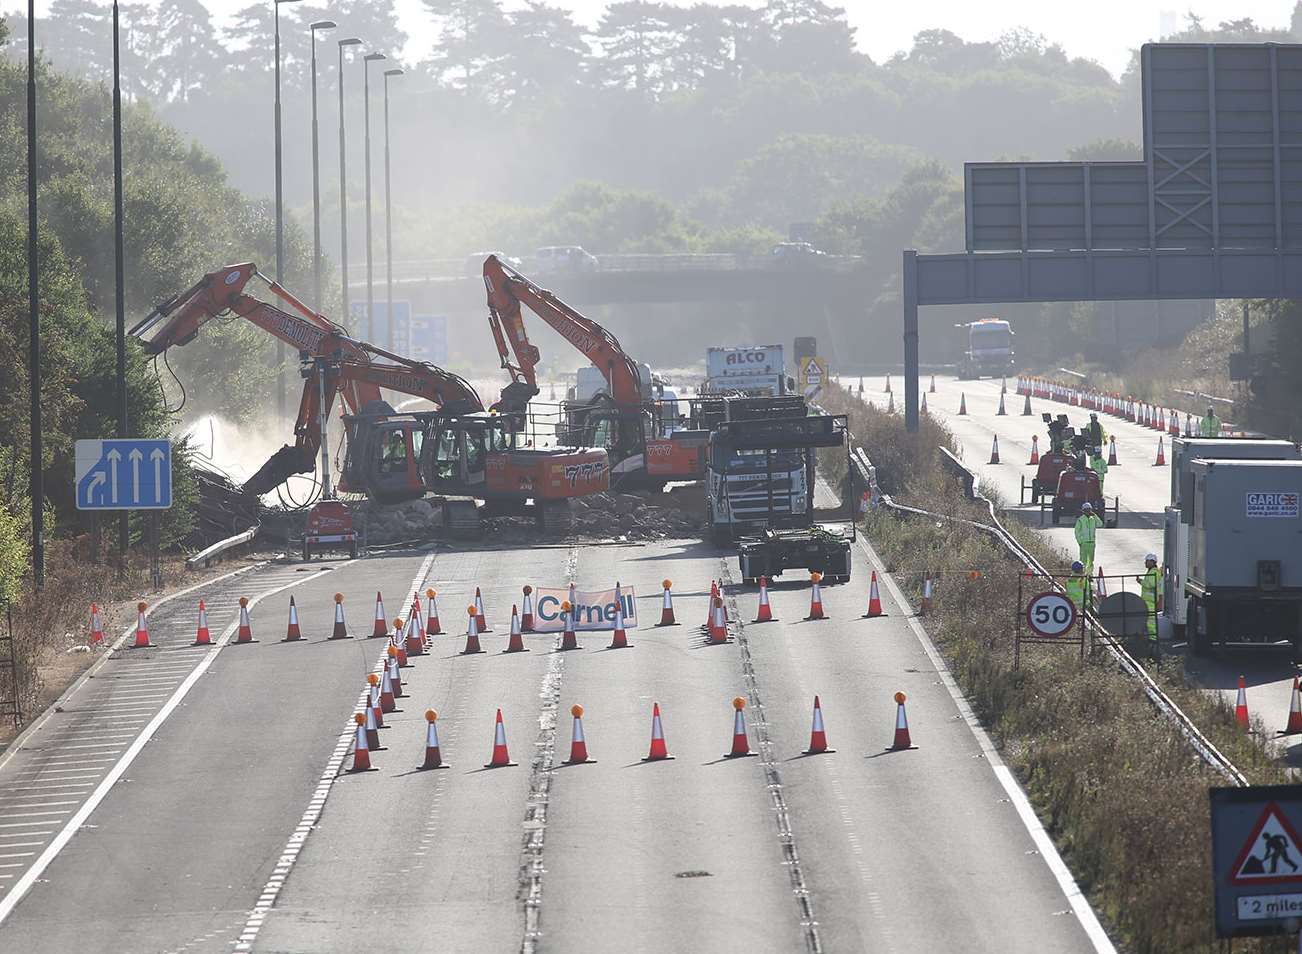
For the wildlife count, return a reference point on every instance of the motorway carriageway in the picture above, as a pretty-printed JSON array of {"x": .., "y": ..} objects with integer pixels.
[
  {"x": 1144, "y": 489},
  {"x": 232, "y": 828}
]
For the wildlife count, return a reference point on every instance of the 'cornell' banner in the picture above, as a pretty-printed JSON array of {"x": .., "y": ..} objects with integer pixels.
[{"x": 595, "y": 610}]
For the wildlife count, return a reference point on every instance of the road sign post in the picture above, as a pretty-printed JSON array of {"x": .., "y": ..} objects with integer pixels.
[
  {"x": 131, "y": 474},
  {"x": 1257, "y": 859},
  {"x": 1049, "y": 615}
]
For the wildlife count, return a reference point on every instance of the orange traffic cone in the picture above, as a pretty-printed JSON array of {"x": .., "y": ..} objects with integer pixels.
[
  {"x": 815, "y": 597},
  {"x": 874, "y": 598},
  {"x": 1026, "y": 406},
  {"x": 415, "y": 642},
  {"x": 817, "y": 734},
  {"x": 667, "y": 607},
  {"x": 1188, "y": 425},
  {"x": 373, "y": 691},
  {"x": 709, "y": 609},
  {"x": 398, "y": 642},
  {"x": 578, "y": 744},
  {"x": 341, "y": 628},
  {"x": 142, "y": 628},
  {"x": 386, "y": 691},
  {"x": 433, "y": 757},
  {"x": 1161, "y": 455},
  {"x": 887, "y": 389},
  {"x": 480, "y": 621},
  {"x": 659, "y": 751},
  {"x": 472, "y": 632},
  {"x": 1001, "y": 412},
  {"x": 901, "y": 725},
  {"x": 923, "y": 406},
  {"x": 924, "y": 608},
  {"x": 1241, "y": 706},
  {"x": 245, "y": 632},
  {"x": 432, "y": 627},
  {"x": 619, "y": 638},
  {"x": 381, "y": 627},
  {"x": 97, "y": 624},
  {"x": 394, "y": 672},
  {"x": 994, "y": 451},
  {"x": 202, "y": 636},
  {"x": 718, "y": 631},
  {"x": 1112, "y": 451},
  {"x": 932, "y": 389},
  {"x": 292, "y": 632},
  {"x": 516, "y": 645},
  {"x": 765, "y": 613},
  {"x": 361, "y": 748},
  {"x": 500, "y": 758},
  {"x": 1100, "y": 585},
  {"x": 1035, "y": 450},
  {"x": 569, "y": 638},
  {"x": 962, "y": 403},
  {"x": 526, "y": 611},
  {"x": 1294, "y": 710},
  {"x": 372, "y": 728},
  {"x": 740, "y": 745},
  {"x": 1173, "y": 427}
]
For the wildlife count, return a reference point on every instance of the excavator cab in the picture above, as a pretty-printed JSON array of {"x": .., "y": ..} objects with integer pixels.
[
  {"x": 457, "y": 460},
  {"x": 384, "y": 452}
]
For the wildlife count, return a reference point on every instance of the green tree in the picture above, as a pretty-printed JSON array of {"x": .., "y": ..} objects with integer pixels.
[
  {"x": 470, "y": 41},
  {"x": 543, "y": 56},
  {"x": 636, "y": 37},
  {"x": 190, "y": 54},
  {"x": 78, "y": 37}
]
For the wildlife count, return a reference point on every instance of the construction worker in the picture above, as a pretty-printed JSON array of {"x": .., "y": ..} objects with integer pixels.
[
  {"x": 1210, "y": 426},
  {"x": 1078, "y": 587},
  {"x": 1100, "y": 466},
  {"x": 1087, "y": 525},
  {"x": 1150, "y": 588},
  {"x": 1096, "y": 433}
]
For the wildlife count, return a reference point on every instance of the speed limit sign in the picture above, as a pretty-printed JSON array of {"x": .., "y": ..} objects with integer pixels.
[{"x": 1050, "y": 614}]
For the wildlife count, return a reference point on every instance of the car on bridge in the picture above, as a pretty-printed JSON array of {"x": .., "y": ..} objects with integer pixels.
[
  {"x": 562, "y": 260},
  {"x": 796, "y": 255}
]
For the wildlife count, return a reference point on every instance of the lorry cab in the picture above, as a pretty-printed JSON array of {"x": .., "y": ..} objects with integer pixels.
[{"x": 989, "y": 349}]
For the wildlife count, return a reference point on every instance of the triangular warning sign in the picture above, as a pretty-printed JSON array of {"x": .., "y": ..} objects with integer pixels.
[{"x": 1272, "y": 854}]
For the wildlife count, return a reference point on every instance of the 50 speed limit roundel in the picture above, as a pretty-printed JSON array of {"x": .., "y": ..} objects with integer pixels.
[{"x": 1050, "y": 614}]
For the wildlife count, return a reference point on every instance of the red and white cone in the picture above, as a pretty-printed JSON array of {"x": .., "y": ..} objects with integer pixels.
[
  {"x": 480, "y": 620},
  {"x": 97, "y": 625},
  {"x": 923, "y": 405},
  {"x": 765, "y": 613},
  {"x": 740, "y": 744},
  {"x": 817, "y": 733},
  {"x": 890, "y": 404},
  {"x": 501, "y": 758},
  {"x": 924, "y": 608},
  {"x": 1173, "y": 427},
  {"x": 619, "y": 638},
  {"x": 578, "y": 743},
  {"x": 659, "y": 751},
  {"x": 245, "y": 632},
  {"x": 1294, "y": 710},
  {"x": 387, "y": 703},
  {"x": 432, "y": 627},
  {"x": 395, "y": 674},
  {"x": 526, "y": 610},
  {"x": 1161, "y": 455},
  {"x": 962, "y": 404},
  {"x": 1241, "y": 706},
  {"x": 994, "y": 451},
  {"x": 1026, "y": 406},
  {"x": 718, "y": 623},
  {"x": 377, "y": 705},
  {"x": 361, "y": 748},
  {"x": 472, "y": 632},
  {"x": 902, "y": 740},
  {"x": 874, "y": 598},
  {"x": 932, "y": 389},
  {"x": 516, "y": 645},
  {"x": 341, "y": 628},
  {"x": 398, "y": 643},
  {"x": 415, "y": 642},
  {"x": 709, "y": 610},
  {"x": 1100, "y": 585},
  {"x": 292, "y": 632},
  {"x": 433, "y": 757},
  {"x": 381, "y": 626},
  {"x": 142, "y": 628},
  {"x": 815, "y": 597},
  {"x": 1112, "y": 451},
  {"x": 1188, "y": 425},
  {"x": 569, "y": 638},
  {"x": 887, "y": 389},
  {"x": 202, "y": 635},
  {"x": 1001, "y": 412},
  {"x": 372, "y": 728},
  {"x": 1035, "y": 450},
  {"x": 667, "y": 607}
]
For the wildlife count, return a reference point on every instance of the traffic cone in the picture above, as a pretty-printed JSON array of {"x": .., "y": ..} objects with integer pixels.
[
  {"x": 341, "y": 628},
  {"x": 887, "y": 389},
  {"x": 433, "y": 758},
  {"x": 1294, "y": 710},
  {"x": 578, "y": 744},
  {"x": 667, "y": 607},
  {"x": 1001, "y": 412},
  {"x": 373, "y": 698},
  {"x": 765, "y": 614},
  {"x": 245, "y": 633},
  {"x": 361, "y": 748},
  {"x": 516, "y": 645},
  {"x": 861, "y": 384},
  {"x": 1035, "y": 450},
  {"x": 1161, "y": 455},
  {"x": 1241, "y": 706},
  {"x": 526, "y": 611},
  {"x": 962, "y": 403},
  {"x": 874, "y": 599},
  {"x": 472, "y": 632},
  {"x": 142, "y": 628},
  {"x": 890, "y": 404},
  {"x": 1026, "y": 406},
  {"x": 994, "y": 451},
  {"x": 202, "y": 636},
  {"x": 718, "y": 623},
  {"x": 387, "y": 703},
  {"x": 500, "y": 758},
  {"x": 97, "y": 624},
  {"x": 1112, "y": 451},
  {"x": 381, "y": 627},
  {"x": 1101, "y": 586},
  {"x": 480, "y": 621},
  {"x": 932, "y": 389},
  {"x": 924, "y": 608},
  {"x": 659, "y": 751},
  {"x": 395, "y": 674},
  {"x": 432, "y": 627},
  {"x": 740, "y": 744},
  {"x": 372, "y": 728},
  {"x": 817, "y": 734},
  {"x": 815, "y": 597},
  {"x": 415, "y": 642},
  {"x": 1173, "y": 425},
  {"x": 619, "y": 638},
  {"x": 569, "y": 638},
  {"x": 902, "y": 740},
  {"x": 1003, "y": 385},
  {"x": 1188, "y": 425},
  {"x": 292, "y": 632},
  {"x": 398, "y": 643},
  {"x": 923, "y": 406}
]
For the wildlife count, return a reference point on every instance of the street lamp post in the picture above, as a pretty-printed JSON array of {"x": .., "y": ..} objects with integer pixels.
[
  {"x": 34, "y": 313},
  {"x": 119, "y": 273},
  {"x": 388, "y": 211},
  {"x": 280, "y": 217},
  {"x": 343, "y": 184},
  {"x": 367, "y": 60},
  {"x": 316, "y": 174}
]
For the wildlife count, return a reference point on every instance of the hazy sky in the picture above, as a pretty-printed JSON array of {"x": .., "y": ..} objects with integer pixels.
[{"x": 1106, "y": 34}]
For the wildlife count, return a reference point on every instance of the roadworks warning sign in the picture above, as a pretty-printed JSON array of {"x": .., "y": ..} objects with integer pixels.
[{"x": 1271, "y": 855}]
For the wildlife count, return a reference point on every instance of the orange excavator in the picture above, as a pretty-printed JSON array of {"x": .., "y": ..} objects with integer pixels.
[{"x": 645, "y": 450}]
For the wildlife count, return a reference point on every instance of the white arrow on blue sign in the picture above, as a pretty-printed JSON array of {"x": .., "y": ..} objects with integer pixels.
[{"x": 124, "y": 475}]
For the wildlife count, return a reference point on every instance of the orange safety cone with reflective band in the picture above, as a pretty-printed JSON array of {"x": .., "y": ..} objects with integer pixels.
[
  {"x": 923, "y": 405},
  {"x": 415, "y": 643},
  {"x": 142, "y": 628},
  {"x": 381, "y": 627},
  {"x": 1100, "y": 585},
  {"x": 932, "y": 389},
  {"x": 817, "y": 734},
  {"x": 202, "y": 636},
  {"x": 718, "y": 622},
  {"x": 924, "y": 608},
  {"x": 1173, "y": 427},
  {"x": 292, "y": 632},
  {"x": 874, "y": 598},
  {"x": 433, "y": 758},
  {"x": 815, "y": 597},
  {"x": 397, "y": 643},
  {"x": 765, "y": 613},
  {"x": 395, "y": 674},
  {"x": 526, "y": 611},
  {"x": 890, "y": 404},
  {"x": 667, "y": 607},
  {"x": 361, "y": 750},
  {"x": 1112, "y": 451},
  {"x": 372, "y": 728},
  {"x": 386, "y": 691},
  {"x": 994, "y": 451},
  {"x": 1188, "y": 425},
  {"x": 902, "y": 740},
  {"x": 500, "y": 758},
  {"x": 1035, "y": 450},
  {"x": 432, "y": 627},
  {"x": 1294, "y": 710},
  {"x": 472, "y": 632},
  {"x": 516, "y": 644},
  {"x": 1161, "y": 455},
  {"x": 619, "y": 638},
  {"x": 659, "y": 751},
  {"x": 480, "y": 619},
  {"x": 709, "y": 609},
  {"x": 578, "y": 743},
  {"x": 569, "y": 638},
  {"x": 740, "y": 745},
  {"x": 245, "y": 632},
  {"x": 1026, "y": 406},
  {"x": 1001, "y": 412},
  {"x": 97, "y": 624},
  {"x": 341, "y": 628},
  {"x": 377, "y": 707},
  {"x": 1241, "y": 706},
  {"x": 962, "y": 403}
]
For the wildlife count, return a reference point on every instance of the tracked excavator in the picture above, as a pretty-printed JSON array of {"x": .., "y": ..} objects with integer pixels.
[{"x": 625, "y": 419}]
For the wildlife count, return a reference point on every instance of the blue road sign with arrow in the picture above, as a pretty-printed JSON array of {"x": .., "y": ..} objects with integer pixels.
[{"x": 124, "y": 475}]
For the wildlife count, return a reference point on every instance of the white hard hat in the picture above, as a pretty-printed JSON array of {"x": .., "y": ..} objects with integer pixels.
[
  {"x": 1150, "y": 556},
  {"x": 1086, "y": 507}
]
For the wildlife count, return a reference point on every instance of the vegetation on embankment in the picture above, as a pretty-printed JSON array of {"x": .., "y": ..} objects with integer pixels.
[{"x": 1122, "y": 793}]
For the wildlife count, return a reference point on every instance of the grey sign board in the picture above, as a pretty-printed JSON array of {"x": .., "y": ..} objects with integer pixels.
[{"x": 1257, "y": 859}]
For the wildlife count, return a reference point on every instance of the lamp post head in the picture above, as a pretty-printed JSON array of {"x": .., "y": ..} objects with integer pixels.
[
  {"x": 369, "y": 57},
  {"x": 279, "y": 2},
  {"x": 351, "y": 41},
  {"x": 322, "y": 25},
  {"x": 394, "y": 72}
]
